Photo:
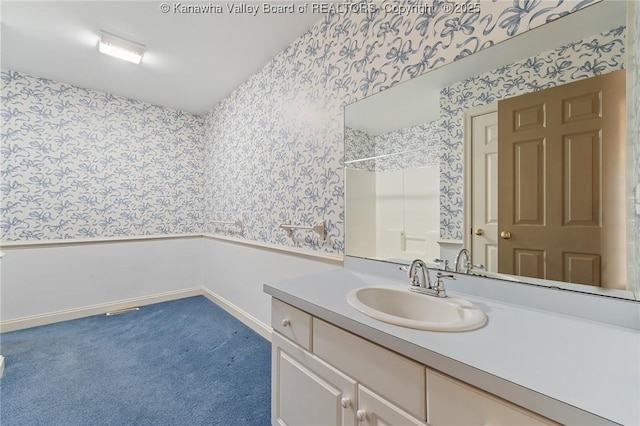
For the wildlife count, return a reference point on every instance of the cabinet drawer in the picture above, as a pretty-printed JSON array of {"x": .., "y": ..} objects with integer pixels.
[
  {"x": 452, "y": 402},
  {"x": 392, "y": 376},
  {"x": 291, "y": 323}
]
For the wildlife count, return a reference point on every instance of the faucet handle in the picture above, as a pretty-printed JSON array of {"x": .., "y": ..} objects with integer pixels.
[
  {"x": 446, "y": 263},
  {"x": 439, "y": 286},
  {"x": 445, "y": 276}
]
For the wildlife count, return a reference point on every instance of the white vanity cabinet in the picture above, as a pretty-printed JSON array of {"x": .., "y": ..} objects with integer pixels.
[
  {"x": 308, "y": 389},
  {"x": 324, "y": 375}
]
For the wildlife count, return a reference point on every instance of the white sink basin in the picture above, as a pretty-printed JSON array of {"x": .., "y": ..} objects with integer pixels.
[{"x": 399, "y": 306}]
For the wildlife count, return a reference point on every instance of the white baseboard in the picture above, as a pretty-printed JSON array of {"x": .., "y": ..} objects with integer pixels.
[
  {"x": 70, "y": 314},
  {"x": 38, "y": 320},
  {"x": 241, "y": 315}
]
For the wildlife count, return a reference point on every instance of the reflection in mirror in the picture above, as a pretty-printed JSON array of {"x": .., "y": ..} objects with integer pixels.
[
  {"x": 397, "y": 176},
  {"x": 469, "y": 156}
]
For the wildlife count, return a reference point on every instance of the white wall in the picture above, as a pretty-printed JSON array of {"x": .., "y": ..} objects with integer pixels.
[
  {"x": 360, "y": 212},
  {"x": 236, "y": 272},
  {"x": 407, "y": 213},
  {"x": 41, "y": 284},
  {"x": 389, "y": 213},
  {"x": 46, "y": 280},
  {"x": 422, "y": 211}
]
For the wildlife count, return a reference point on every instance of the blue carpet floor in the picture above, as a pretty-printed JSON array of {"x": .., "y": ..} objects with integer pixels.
[{"x": 184, "y": 362}]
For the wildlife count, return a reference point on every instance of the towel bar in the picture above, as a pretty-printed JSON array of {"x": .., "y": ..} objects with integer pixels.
[{"x": 318, "y": 229}]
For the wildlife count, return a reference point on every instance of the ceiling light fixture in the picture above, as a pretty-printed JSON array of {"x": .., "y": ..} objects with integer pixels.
[{"x": 119, "y": 47}]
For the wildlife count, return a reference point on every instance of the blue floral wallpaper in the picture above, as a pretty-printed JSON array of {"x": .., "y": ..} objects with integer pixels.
[
  {"x": 415, "y": 146},
  {"x": 274, "y": 148},
  {"x": 79, "y": 163},
  {"x": 359, "y": 145}
]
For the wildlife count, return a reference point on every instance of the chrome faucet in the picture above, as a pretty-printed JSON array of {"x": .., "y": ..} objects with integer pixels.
[
  {"x": 467, "y": 264},
  {"x": 415, "y": 280},
  {"x": 424, "y": 285}
]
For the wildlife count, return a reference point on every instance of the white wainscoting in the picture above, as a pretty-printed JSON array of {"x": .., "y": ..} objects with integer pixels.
[
  {"x": 60, "y": 279},
  {"x": 43, "y": 284},
  {"x": 236, "y": 273}
]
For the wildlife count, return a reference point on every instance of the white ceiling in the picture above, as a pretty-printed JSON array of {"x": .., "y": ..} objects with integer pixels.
[{"x": 192, "y": 61}]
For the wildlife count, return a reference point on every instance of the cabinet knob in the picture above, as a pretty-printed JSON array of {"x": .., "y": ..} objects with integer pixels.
[
  {"x": 361, "y": 415},
  {"x": 286, "y": 322},
  {"x": 345, "y": 402}
]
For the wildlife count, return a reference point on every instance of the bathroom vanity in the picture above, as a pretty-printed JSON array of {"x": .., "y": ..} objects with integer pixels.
[
  {"x": 430, "y": 172},
  {"x": 334, "y": 365}
]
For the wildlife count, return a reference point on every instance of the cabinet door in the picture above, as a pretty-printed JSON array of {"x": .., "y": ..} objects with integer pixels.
[
  {"x": 306, "y": 391},
  {"x": 373, "y": 410}
]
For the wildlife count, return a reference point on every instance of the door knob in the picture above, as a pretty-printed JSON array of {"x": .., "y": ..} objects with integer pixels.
[
  {"x": 479, "y": 231},
  {"x": 505, "y": 235}
]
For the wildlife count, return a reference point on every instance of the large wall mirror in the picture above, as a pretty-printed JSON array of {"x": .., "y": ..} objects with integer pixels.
[{"x": 515, "y": 153}]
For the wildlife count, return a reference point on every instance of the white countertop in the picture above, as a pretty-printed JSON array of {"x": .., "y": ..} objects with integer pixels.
[{"x": 546, "y": 362}]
